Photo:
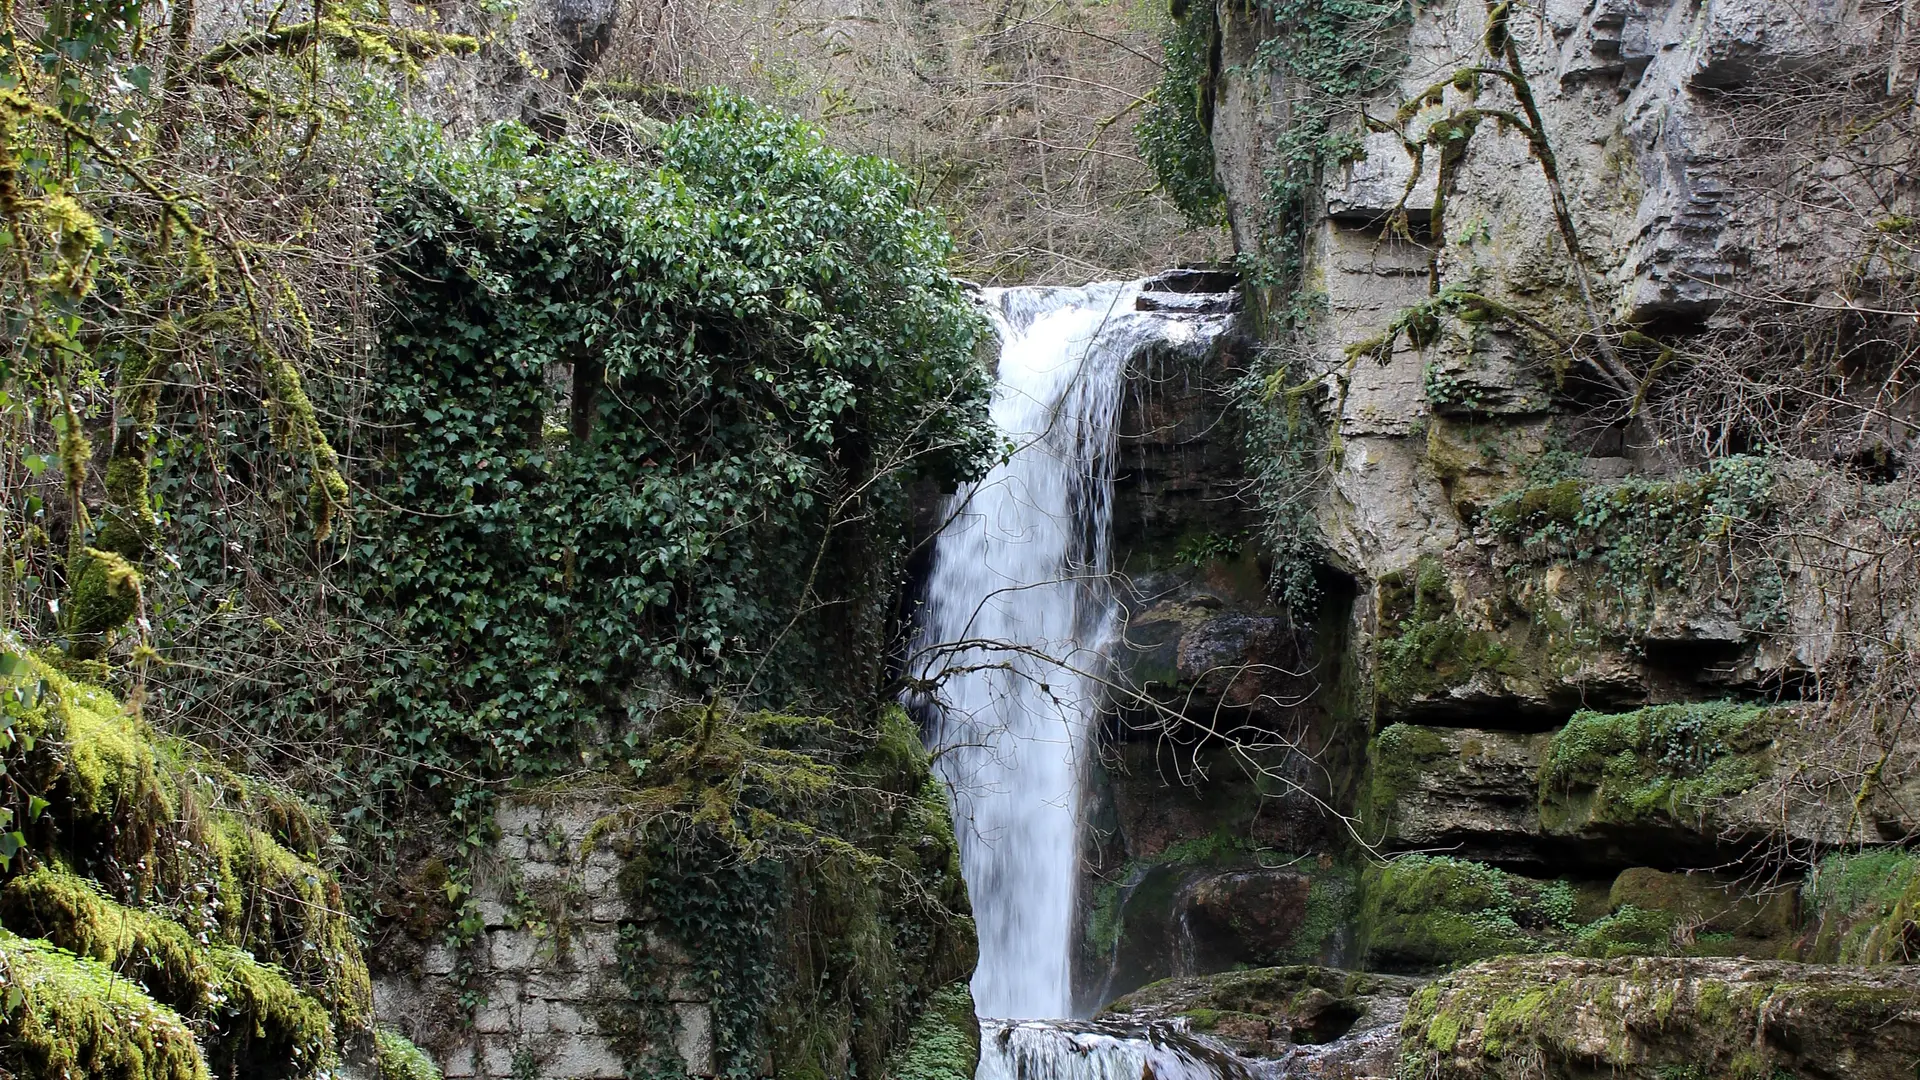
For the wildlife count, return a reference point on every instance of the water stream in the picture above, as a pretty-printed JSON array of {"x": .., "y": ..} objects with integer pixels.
[{"x": 1014, "y": 637}]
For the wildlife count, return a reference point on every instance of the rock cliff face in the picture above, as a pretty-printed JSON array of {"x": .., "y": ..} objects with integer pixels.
[{"x": 1589, "y": 324}]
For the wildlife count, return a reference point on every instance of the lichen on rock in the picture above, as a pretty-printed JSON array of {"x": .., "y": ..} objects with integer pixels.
[{"x": 1658, "y": 1018}]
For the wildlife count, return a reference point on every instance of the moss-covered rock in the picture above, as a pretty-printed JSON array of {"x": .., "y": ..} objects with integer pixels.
[
  {"x": 1425, "y": 648},
  {"x": 68, "y": 1016},
  {"x": 257, "y": 1023},
  {"x": 1665, "y": 767},
  {"x": 1865, "y": 908},
  {"x": 1427, "y": 913},
  {"x": 1263, "y": 1011},
  {"x": 1558, "y": 1018},
  {"x": 144, "y": 855}
]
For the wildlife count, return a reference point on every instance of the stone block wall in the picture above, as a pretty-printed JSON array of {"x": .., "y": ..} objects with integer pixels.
[{"x": 543, "y": 977}]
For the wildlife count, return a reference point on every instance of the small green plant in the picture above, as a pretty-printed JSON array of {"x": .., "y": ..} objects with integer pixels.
[
  {"x": 1205, "y": 548},
  {"x": 1651, "y": 535}
]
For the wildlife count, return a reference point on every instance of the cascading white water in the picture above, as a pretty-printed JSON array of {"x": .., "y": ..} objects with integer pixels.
[
  {"x": 1053, "y": 1051},
  {"x": 1018, "y": 621}
]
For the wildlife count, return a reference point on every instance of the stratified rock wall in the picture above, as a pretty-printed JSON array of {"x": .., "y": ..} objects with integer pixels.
[{"x": 1597, "y": 316}]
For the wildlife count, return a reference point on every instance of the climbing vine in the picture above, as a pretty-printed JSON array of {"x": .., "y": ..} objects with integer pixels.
[
  {"x": 639, "y": 432},
  {"x": 1174, "y": 133}
]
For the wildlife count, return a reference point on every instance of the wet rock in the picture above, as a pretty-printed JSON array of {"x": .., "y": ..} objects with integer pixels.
[
  {"x": 1191, "y": 280},
  {"x": 1190, "y": 303},
  {"x": 1557, "y": 1018},
  {"x": 1245, "y": 915},
  {"x": 1311, "y": 1017}
]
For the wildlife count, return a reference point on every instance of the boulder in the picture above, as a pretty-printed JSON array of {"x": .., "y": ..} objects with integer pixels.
[
  {"x": 1660, "y": 1018},
  {"x": 1284, "y": 1013}
]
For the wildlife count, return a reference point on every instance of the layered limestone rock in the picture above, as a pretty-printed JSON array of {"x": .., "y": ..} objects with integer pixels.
[{"x": 1615, "y": 598}]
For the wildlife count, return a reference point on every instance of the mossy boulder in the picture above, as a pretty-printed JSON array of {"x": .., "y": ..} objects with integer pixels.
[
  {"x": 1646, "y": 1018},
  {"x": 1865, "y": 908},
  {"x": 1702, "y": 914},
  {"x": 141, "y": 853},
  {"x": 1206, "y": 907},
  {"x": 69, "y": 1016},
  {"x": 1664, "y": 767},
  {"x": 257, "y": 1023},
  {"x": 1263, "y": 1012},
  {"x": 1428, "y": 913}
]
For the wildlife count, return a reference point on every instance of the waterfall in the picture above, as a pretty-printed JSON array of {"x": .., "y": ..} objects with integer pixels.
[{"x": 1018, "y": 620}]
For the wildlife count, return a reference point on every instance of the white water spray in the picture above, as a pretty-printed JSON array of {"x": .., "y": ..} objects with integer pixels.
[{"x": 1018, "y": 621}]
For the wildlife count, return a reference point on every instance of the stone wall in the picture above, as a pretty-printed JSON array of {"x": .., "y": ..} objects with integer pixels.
[{"x": 545, "y": 970}]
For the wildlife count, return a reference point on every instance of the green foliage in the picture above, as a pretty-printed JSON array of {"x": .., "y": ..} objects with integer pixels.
[
  {"x": 645, "y": 434},
  {"x": 1286, "y": 451},
  {"x": 62, "y": 1015},
  {"x": 811, "y": 875},
  {"x": 1649, "y": 536},
  {"x": 1174, "y": 134},
  {"x": 1205, "y": 548},
  {"x": 764, "y": 346},
  {"x": 1663, "y": 762},
  {"x": 945, "y": 1041}
]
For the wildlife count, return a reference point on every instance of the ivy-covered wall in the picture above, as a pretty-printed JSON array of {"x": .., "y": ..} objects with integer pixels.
[{"x": 775, "y": 895}]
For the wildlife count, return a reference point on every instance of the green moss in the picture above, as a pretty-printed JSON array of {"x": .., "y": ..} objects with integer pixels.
[
  {"x": 1631, "y": 931},
  {"x": 1202, "y": 1019},
  {"x": 1549, "y": 505},
  {"x": 1661, "y": 763},
  {"x": 1662, "y": 1019},
  {"x": 1397, "y": 758},
  {"x": 251, "y": 1012},
  {"x": 75, "y": 1017},
  {"x": 398, "y": 1059},
  {"x": 1423, "y": 646},
  {"x": 289, "y": 911},
  {"x": 70, "y": 912},
  {"x": 1866, "y": 907},
  {"x": 944, "y": 1043},
  {"x": 1423, "y": 912},
  {"x": 206, "y": 908}
]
